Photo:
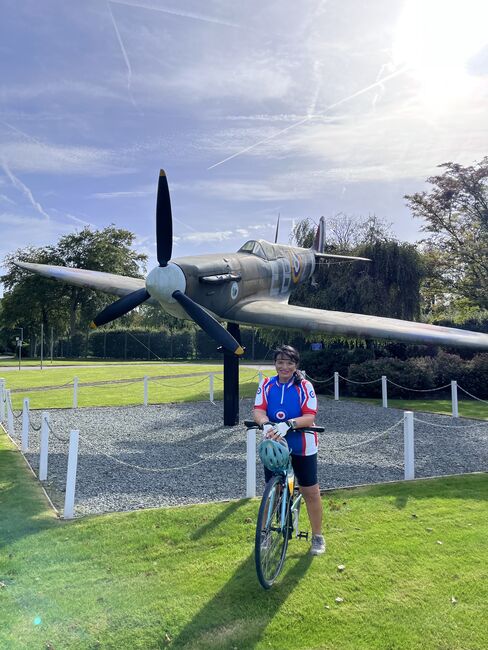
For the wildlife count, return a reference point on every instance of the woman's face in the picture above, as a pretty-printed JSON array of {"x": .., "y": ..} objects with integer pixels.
[{"x": 285, "y": 367}]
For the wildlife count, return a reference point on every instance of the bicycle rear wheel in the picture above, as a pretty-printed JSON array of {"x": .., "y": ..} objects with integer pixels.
[{"x": 271, "y": 537}]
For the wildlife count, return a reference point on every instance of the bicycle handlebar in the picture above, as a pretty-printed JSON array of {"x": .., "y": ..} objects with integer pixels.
[{"x": 250, "y": 424}]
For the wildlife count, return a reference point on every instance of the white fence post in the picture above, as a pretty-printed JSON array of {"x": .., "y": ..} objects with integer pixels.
[
  {"x": 44, "y": 446},
  {"x": 10, "y": 414},
  {"x": 69, "y": 499},
  {"x": 336, "y": 386},
  {"x": 384, "y": 391},
  {"x": 251, "y": 463},
  {"x": 146, "y": 390},
  {"x": 454, "y": 399},
  {"x": 25, "y": 425},
  {"x": 211, "y": 386},
  {"x": 2, "y": 397},
  {"x": 75, "y": 392},
  {"x": 408, "y": 445}
]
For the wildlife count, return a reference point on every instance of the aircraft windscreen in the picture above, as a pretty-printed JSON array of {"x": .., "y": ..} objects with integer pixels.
[{"x": 253, "y": 247}]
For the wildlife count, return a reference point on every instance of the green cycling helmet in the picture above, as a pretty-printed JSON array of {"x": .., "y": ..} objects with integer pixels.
[{"x": 274, "y": 454}]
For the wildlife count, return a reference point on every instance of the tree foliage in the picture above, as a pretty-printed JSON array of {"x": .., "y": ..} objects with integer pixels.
[
  {"x": 31, "y": 299},
  {"x": 388, "y": 285},
  {"x": 455, "y": 211}
]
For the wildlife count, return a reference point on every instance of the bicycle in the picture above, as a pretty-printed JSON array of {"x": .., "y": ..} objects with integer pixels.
[{"x": 278, "y": 520}]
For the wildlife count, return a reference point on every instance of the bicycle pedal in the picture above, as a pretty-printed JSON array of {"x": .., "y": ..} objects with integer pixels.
[{"x": 302, "y": 535}]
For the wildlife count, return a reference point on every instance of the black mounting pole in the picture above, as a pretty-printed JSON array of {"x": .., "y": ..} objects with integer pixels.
[{"x": 231, "y": 380}]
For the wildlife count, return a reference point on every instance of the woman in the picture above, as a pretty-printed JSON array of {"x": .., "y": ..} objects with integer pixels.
[{"x": 284, "y": 403}]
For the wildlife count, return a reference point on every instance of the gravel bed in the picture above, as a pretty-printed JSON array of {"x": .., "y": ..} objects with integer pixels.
[{"x": 212, "y": 458}]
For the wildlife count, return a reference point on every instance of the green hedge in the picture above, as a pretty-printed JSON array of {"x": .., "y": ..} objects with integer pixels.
[{"x": 421, "y": 373}]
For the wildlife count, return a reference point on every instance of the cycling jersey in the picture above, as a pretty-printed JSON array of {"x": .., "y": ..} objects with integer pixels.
[{"x": 286, "y": 401}]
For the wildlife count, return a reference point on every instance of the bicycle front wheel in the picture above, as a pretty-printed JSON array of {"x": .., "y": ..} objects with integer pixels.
[{"x": 271, "y": 533}]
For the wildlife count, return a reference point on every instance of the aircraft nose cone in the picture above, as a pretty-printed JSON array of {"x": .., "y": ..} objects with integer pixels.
[{"x": 162, "y": 281}]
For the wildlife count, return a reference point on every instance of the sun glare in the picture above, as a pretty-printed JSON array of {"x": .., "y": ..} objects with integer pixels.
[{"x": 436, "y": 39}]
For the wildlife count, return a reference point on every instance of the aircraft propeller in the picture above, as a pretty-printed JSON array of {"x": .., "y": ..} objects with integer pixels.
[{"x": 164, "y": 246}]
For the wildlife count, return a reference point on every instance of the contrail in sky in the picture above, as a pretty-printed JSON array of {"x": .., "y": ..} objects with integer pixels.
[
  {"x": 175, "y": 12},
  {"x": 124, "y": 54},
  {"x": 17, "y": 183},
  {"x": 310, "y": 117}
]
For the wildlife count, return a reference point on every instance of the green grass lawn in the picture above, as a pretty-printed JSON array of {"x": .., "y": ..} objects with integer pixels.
[
  {"x": 170, "y": 389},
  {"x": 467, "y": 408},
  {"x": 184, "y": 577}
]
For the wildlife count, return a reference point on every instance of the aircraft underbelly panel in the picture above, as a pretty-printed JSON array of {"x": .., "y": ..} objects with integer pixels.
[{"x": 269, "y": 313}]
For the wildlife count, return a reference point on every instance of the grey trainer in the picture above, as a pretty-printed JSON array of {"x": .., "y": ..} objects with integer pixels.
[{"x": 318, "y": 545}]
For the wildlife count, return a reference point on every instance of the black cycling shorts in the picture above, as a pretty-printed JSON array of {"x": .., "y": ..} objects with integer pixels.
[{"x": 305, "y": 468}]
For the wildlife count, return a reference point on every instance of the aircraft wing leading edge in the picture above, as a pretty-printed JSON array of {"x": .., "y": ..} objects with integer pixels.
[
  {"x": 119, "y": 285},
  {"x": 268, "y": 313}
]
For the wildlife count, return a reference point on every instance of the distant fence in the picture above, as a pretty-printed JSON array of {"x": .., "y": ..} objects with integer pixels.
[{"x": 454, "y": 386}]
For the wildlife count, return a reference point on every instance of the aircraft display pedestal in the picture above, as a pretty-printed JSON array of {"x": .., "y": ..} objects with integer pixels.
[{"x": 231, "y": 381}]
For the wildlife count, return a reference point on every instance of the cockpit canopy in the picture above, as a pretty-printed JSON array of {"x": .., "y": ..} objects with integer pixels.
[{"x": 260, "y": 248}]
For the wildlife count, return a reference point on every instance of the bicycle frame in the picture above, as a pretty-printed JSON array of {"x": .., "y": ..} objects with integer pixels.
[{"x": 288, "y": 504}]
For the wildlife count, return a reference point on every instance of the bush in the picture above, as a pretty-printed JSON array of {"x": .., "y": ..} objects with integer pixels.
[
  {"x": 322, "y": 364},
  {"x": 417, "y": 373},
  {"x": 476, "y": 378}
]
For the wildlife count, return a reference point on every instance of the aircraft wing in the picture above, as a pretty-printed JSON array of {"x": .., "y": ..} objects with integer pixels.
[
  {"x": 269, "y": 313},
  {"x": 120, "y": 285}
]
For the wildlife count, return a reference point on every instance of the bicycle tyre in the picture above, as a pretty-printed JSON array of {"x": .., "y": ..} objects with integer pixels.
[{"x": 271, "y": 540}]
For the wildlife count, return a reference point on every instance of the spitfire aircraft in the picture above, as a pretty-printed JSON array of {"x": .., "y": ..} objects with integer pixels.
[{"x": 251, "y": 287}]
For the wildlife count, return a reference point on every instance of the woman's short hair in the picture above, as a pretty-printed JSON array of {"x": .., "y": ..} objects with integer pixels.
[{"x": 287, "y": 351}]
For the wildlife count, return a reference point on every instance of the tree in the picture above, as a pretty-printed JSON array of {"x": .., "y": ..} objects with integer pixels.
[
  {"x": 386, "y": 286},
  {"x": 343, "y": 232},
  {"x": 455, "y": 211},
  {"x": 30, "y": 300}
]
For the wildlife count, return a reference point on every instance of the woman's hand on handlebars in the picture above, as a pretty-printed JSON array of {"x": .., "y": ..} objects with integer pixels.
[{"x": 275, "y": 430}]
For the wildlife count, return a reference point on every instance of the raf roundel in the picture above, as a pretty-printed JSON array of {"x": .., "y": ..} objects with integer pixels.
[
  {"x": 234, "y": 290},
  {"x": 280, "y": 415}
]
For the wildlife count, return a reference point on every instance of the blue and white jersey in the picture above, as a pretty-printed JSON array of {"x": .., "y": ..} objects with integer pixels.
[{"x": 286, "y": 401}]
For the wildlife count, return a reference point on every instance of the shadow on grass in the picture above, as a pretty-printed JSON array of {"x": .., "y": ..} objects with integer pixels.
[
  {"x": 23, "y": 508},
  {"x": 240, "y": 612},
  {"x": 216, "y": 521},
  {"x": 471, "y": 486}
]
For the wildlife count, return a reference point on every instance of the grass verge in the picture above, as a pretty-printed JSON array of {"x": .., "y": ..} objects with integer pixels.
[
  {"x": 184, "y": 577},
  {"x": 172, "y": 387}
]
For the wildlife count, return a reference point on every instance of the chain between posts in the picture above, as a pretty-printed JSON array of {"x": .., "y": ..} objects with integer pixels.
[
  {"x": 418, "y": 390},
  {"x": 12, "y": 408},
  {"x": 452, "y": 426},
  {"x": 320, "y": 381},
  {"x": 364, "y": 442},
  {"x": 473, "y": 396},
  {"x": 55, "y": 434},
  {"x": 193, "y": 383},
  {"x": 155, "y": 470},
  {"x": 352, "y": 381}
]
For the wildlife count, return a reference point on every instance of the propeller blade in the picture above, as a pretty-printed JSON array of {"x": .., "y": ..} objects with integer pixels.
[
  {"x": 164, "y": 222},
  {"x": 208, "y": 323},
  {"x": 120, "y": 307}
]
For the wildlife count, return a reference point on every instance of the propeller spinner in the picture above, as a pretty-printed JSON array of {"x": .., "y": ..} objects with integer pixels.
[{"x": 168, "y": 281}]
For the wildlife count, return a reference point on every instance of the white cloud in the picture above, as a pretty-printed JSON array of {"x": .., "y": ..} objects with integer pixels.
[
  {"x": 207, "y": 236},
  {"x": 32, "y": 156},
  {"x": 22, "y": 187}
]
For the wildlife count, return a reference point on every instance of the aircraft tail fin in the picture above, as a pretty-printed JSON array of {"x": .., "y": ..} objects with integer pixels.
[
  {"x": 319, "y": 241},
  {"x": 319, "y": 245}
]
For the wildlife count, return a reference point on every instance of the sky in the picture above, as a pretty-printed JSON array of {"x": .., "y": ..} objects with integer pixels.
[{"x": 253, "y": 108}]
